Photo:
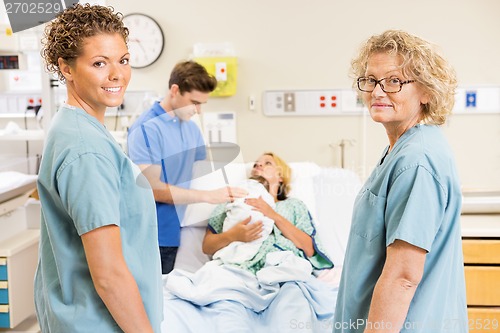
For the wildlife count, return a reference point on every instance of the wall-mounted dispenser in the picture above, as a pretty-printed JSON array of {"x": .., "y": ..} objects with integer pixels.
[{"x": 220, "y": 61}]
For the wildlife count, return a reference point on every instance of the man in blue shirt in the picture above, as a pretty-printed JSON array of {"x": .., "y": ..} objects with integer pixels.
[{"x": 164, "y": 143}]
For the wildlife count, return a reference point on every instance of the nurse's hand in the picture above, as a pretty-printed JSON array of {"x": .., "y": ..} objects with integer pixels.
[{"x": 246, "y": 232}]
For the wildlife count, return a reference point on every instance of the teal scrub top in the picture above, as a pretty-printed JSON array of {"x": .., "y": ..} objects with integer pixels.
[
  {"x": 85, "y": 182},
  {"x": 413, "y": 195}
]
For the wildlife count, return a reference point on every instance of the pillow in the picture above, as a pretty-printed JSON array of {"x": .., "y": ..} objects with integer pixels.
[
  {"x": 335, "y": 191},
  {"x": 302, "y": 183}
]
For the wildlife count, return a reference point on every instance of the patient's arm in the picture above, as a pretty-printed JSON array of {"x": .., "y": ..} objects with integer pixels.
[
  {"x": 243, "y": 232},
  {"x": 301, "y": 239},
  {"x": 171, "y": 194},
  {"x": 112, "y": 279}
]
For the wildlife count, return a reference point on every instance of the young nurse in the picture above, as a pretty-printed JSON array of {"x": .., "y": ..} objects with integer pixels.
[{"x": 98, "y": 268}]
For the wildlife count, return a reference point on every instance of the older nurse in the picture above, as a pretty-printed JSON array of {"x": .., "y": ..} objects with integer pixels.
[{"x": 403, "y": 270}]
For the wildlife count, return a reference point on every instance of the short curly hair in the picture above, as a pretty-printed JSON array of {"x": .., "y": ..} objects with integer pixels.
[
  {"x": 64, "y": 36},
  {"x": 422, "y": 62}
]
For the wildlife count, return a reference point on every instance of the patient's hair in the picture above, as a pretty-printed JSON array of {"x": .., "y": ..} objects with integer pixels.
[
  {"x": 189, "y": 75},
  {"x": 65, "y": 35},
  {"x": 285, "y": 174},
  {"x": 422, "y": 62}
]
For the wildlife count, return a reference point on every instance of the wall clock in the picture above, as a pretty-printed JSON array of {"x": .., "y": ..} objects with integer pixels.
[{"x": 145, "y": 40}]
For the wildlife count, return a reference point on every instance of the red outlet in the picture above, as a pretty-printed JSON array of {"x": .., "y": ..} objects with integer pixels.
[{"x": 324, "y": 98}]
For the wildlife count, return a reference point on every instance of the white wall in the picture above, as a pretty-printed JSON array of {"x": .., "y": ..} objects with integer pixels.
[{"x": 292, "y": 44}]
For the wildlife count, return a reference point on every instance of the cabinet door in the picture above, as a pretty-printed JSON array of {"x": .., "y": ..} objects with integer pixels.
[
  {"x": 482, "y": 285},
  {"x": 3, "y": 269},
  {"x": 484, "y": 319},
  {"x": 481, "y": 251}
]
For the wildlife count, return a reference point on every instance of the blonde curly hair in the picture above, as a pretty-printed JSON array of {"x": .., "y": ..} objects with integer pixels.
[
  {"x": 422, "y": 62},
  {"x": 64, "y": 36}
]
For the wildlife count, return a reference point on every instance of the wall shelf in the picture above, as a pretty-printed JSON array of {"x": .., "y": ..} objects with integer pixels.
[{"x": 23, "y": 135}]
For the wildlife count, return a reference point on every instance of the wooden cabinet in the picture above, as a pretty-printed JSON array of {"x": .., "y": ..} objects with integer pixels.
[{"x": 482, "y": 273}]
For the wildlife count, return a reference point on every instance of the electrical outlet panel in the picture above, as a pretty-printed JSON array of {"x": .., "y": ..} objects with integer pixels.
[
  {"x": 311, "y": 102},
  {"x": 219, "y": 127},
  {"x": 341, "y": 102},
  {"x": 20, "y": 102}
]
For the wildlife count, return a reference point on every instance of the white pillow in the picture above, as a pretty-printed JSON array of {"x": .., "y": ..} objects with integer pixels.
[
  {"x": 335, "y": 191},
  {"x": 302, "y": 183}
]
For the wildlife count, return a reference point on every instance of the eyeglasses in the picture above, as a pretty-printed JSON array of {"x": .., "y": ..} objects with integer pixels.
[{"x": 389, "y": 85}]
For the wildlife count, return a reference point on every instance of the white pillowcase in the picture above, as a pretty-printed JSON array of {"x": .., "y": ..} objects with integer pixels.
[
  {"x": 335, "y": 191},
  {"x": 302, "y": 183}
]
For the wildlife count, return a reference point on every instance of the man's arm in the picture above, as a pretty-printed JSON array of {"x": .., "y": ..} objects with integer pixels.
[{"x": 171, "y": 194}]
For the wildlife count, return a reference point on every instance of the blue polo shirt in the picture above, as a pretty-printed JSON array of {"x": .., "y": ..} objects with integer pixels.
[{"x": 160, "y": 139}]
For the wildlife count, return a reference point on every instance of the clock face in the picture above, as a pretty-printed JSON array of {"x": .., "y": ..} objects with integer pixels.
[{"x": 145, "y": 40}]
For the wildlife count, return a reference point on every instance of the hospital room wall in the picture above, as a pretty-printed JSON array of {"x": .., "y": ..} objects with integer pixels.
[{"x": 291, "y": 44}]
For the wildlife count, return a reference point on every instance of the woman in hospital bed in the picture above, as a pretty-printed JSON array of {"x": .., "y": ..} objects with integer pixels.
[{"x": 272, "y": 291}]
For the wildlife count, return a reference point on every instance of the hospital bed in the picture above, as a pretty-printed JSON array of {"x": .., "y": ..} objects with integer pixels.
[{"x": 329, "y": 194}]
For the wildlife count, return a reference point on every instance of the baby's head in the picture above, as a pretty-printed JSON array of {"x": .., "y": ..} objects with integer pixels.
[{"x": 261, "y": 180}]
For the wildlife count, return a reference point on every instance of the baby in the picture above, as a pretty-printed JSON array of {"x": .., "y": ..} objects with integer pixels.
[{"x": 237, "y": 211}]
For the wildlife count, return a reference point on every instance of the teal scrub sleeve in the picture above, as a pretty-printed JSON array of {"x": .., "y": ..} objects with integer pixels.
[
  {"x": 416, "y": 204},
  {"x": 89, "y": 188}
]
